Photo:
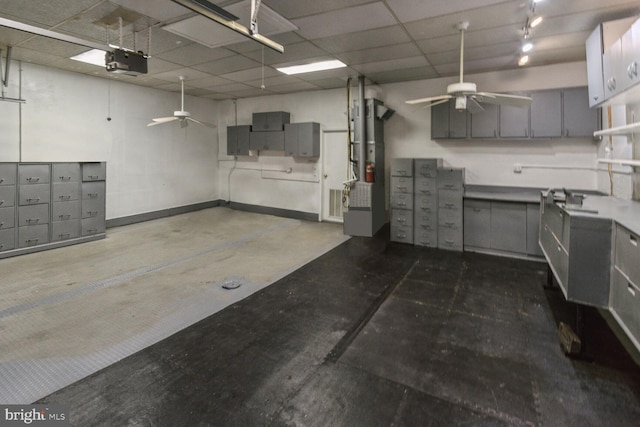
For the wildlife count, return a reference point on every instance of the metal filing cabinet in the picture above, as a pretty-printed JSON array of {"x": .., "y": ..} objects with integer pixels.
[
  {"x": 402, "y": 200},
  {"x": 93, "y": 199},
  {"x": 34, "y": 195},
  {"x": 625, "y": 287},
  {"x": 8, "y": 173},
  {"x": 425, "y": 202},
  {"x": 65, "y": 189},
  {"x": 450, "y": 208}
]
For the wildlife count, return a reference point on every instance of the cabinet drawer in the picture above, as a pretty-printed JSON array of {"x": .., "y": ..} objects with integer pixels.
[
  {"x": 7, "y": 218},
  {"x": 450, "y": 199},
  {"x": 625, "y": 302},
  {"x": 450, "y": 238},
  {"x": 401, "y": 167},
  {"x": 450, "y": 217},
  {"x": 401, "y": 234},
  {"x": 425, "y": 186},
  {"x": 7, "y": 195},
  {"x": 65, "y": 211},
  {"x": 426, "y": 205},
  {"x": 92, "y": 208},
  {"x": 430, "y": 226},
  {"x": 428, "y": 238},
  {"x": 34, "y": 194},
  {"x": 402, "y": 201},
  {"x": 66, "y": 172},
  {"x": 425, "y": 219},
  {"x": 450, "y": 178},
  {"x": 627, "y": 253},
  {"x": 33, "y": 235},
  {"x": 95, "y": 225},
  {"x": 8, "y": 173},
  {"x": 402, "y": 217},
  {"x": 65, "y": 230},
  {"x": 65, "y": 191},
  {"x": 400, "y": 184},
  {"x": 427, "y": 168},
  {"x": 34, "y": 174},
  {"x": 94, "y": 171},
  {"x": 93, "y": 190},
  {"x": 33, "y": 215},
  {"x": 7, "y": 239}
]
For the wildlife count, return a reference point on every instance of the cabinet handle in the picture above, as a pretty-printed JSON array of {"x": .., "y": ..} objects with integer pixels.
[
  {"x": 449, "y": 242},
  {"x": 33, "y": 179},
  {"x": 633, "y": 240},
  {"x": 92, "y": 195},
  {"x": 32, "y": 220},
  {"x": 1, "y": 202},
  {"x": 36, "y": 200},
  {"x": 450, "y": 224},
  {"x": 402, "y": 220},
  {"x": 1, "y": 180},
  {"x": 477, "y": 209},
  {"x": 92, "y": 230},
  {"x": 92, "y": 213},
  {"x": 63, "y": 235},
  {"x": 1, "y": 224},
  {"x": 64, "y": 216},
  {"x": 632, "y": 70},
  {"x": 64, "y": 178},
  {"x": 64, "y": 197},
  {"x": 611, "y": 84},
  {"x": 630, "y": 289},
  {"x": 449, "y": 205},
  {"x": 31, "y": 241},
  {"x": 93, "y": 176}
]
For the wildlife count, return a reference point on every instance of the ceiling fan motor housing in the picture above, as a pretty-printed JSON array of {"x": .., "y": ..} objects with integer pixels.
[
  {"x": 181, "y": 114},
  {"x": 461, "y": 88}
]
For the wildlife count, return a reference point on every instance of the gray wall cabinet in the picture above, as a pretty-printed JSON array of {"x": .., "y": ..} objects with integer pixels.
[
  {"x": 514, "y": 121},
  {"x": 302, "y": 139},
  {"x": 546, "y": 114},
  {"x": 46, "y": 205},
  {"x": 578, "y": 119},
  {"x": 484, "y": 124},
  {"x": 270, "y": 121},
  {"x": 238, "y": 140}
]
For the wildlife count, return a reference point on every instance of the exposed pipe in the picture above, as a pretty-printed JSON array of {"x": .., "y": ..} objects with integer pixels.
[{"x": 362, "y": 124}]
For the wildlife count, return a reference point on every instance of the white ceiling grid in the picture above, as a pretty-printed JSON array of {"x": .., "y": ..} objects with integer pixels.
[{"x": 385, "y": 40}]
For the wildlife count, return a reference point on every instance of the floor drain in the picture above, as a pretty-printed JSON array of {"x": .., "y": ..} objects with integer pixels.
[{"x": 231, "y": 284}]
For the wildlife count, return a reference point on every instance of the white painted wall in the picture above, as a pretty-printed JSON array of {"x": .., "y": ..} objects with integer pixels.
[
  {"x": 148, "y": 169},
  {"x": 567, "y": 163}
]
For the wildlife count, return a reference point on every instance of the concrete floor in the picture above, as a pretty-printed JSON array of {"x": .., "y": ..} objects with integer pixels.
[{"x": 69, "y": 312}]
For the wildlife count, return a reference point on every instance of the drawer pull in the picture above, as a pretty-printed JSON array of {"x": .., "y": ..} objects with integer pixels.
[
  {"x": 64, "y": 216},
  {"x": 633, "y": 240},
  {"x": 1, "y": 224},
  {"x": 1, "y": 180},
  {"x": 402, "y": 220},
  {"x": 449, "y": 205},
  {"x": 93, "y": 176},
  {"x": 92, "y": 230},
  {"x": 32, "y": 220},
  {"x": 449, "y": 186},
  {"x": 92, "y": 195},
  {"x": 36, "y": 200},
  {"x": 31, "y": 241},
  {"x": 631, "y": 290},
  {"x": 64, "y": 197},
  {"x": 64, "y": 178},
  {"x": 1, "y": 202},
  {"x": 632, "y": 70},
  {"x": 450, "y": 224},
  {"x": 449, "y": 242},
  {"x": 477, "y": 210},
  {"x": 33, "y": 179},
  {"x": 63, "y": 235},
  {"x": 92, "y": 213}
]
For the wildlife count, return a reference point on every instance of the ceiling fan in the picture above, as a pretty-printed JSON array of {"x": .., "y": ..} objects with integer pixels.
[
  {"x": 183, "y": 116},
  {"x": 466, "y": 95}
]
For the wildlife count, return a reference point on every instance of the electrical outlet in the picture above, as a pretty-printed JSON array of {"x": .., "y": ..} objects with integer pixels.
[{"x": 517, "y": 168}]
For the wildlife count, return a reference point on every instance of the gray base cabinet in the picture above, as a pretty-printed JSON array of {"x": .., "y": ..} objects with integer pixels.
[{"x": 43, "y": 205}]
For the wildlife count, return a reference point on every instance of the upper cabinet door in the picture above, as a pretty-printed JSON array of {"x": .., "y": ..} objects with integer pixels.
[
  {"x": 440, "y": 121},
  {"x": 594, "y": 67},
  {"x": 546, "y": 114},
  {"x": 611, "y": 66},
  {"x": 579, "y": 119},
  {"x": 514, "y": 121},
  {"x": 631, "y": 56},
  {"x": 484, "y": 124}
]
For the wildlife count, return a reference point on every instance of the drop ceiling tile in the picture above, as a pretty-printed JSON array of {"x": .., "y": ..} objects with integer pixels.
[
  {"x": 278, "y": 80},
  {"x": 339, "y": 73},
  {"x": 198, "y": 92},
  {"x": 411, "y": 10},
  {"x": 162, "y": 10},
  {"x": 54, "y": 47},
  {"x": 219, "y": 96},
  {"x": 343, "y": 21},
  {"x": 42, "y": 14},
  {"x": 250, "y": 74},
  {"x": 163, "y": 41},
  {"x": 331, "y": 83},
  {"x": 157, "y": 66},
  {"x": 188, "y": 73},
  {"x": 300, "y": 8},
  {"x": 407, "y": 74},
  {"x": 379, "y": 54},
  {"x": 75, "y": 66},
  {"x": 209, "y": 82},
  {"x": 293, "y": 87},
  {"x": 284, "y": 39},
  {"x": 395, "y": 64},
  {"x": 363, "y": 39},
  {"x": 32, "y": 56},
  {"x": 475, "y": 53},
  {"x": 554, "y": 56},
  {"x": 252, "y": 93},
  {"x": 193, "y": 54},
  {"x": 11, "y": 37},
  {"x": 292, "y": 53},
  {"x": 478, "y": 66},
  {"x": 471, "y": 39},
  {"x": 234, "y": 87},
  {"x": 560, "y": 41},
  {"x": 227, "y": 65}
]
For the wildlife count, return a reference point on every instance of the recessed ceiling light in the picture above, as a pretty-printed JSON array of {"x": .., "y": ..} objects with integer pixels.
[
  {"x": 523, "y": 60},
  {"x": 535, "y": 21},
  {"x": 527, "y": 47},
  {"x": 315, "y": 66},
  {"x": 93, "y": 56}
]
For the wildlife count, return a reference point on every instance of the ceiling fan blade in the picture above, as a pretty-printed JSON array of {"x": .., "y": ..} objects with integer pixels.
[
  {"x": 473, "y": 106},
  {"x": 431, "y": 99},
  {"x": 161, "y": 120},
  {"x": 201, "y": 122},
  {"x": 503, "y": 99}
]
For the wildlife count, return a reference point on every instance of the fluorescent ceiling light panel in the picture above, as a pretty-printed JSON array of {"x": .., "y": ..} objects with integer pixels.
[
  {"x": 315, "y": 66},
  {"x": 211, "y": 34},
  {"x": 93, "y": 57}
]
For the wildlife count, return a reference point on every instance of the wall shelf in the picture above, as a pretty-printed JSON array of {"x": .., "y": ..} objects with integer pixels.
[{"x": 619, "y": 130}]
